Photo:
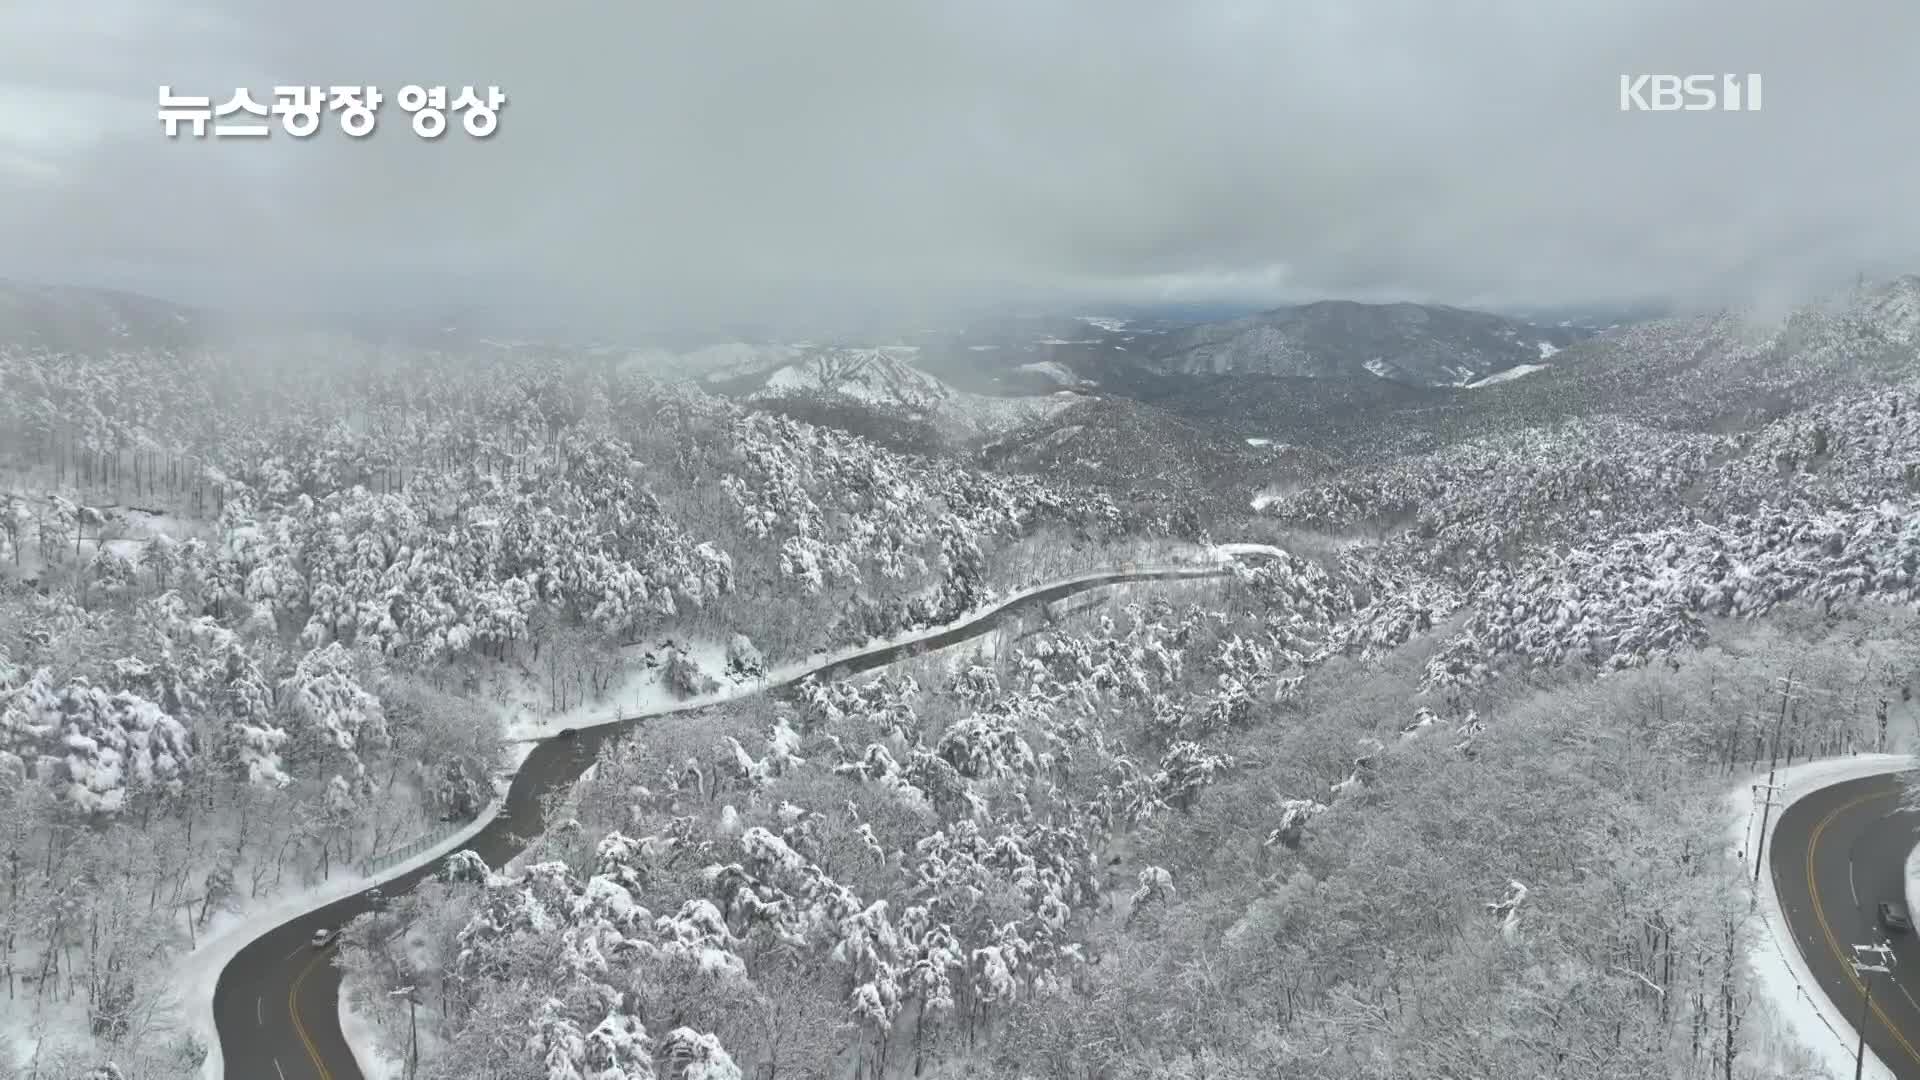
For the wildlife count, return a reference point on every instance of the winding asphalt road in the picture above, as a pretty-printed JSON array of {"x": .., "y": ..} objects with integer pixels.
[
  {"x": 276, "y": 1002},
  {"x": 1836, "y": 854}
]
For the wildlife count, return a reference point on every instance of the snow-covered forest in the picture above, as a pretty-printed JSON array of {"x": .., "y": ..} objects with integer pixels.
[
  {"x": 1433, "y": 787},
  {"x": 265, "y": 618},
  {"x": 1137, "y": 847}
]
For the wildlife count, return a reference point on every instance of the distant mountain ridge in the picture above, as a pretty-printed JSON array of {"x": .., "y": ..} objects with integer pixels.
[
  {"x": 1425, "y": 345},
  {"x": 59, "y": 318},
  {"x": 887, "y": 381},
  {"x": 880, "y": 376}
]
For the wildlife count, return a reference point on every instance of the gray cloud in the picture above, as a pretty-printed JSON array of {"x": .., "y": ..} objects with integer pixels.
[{"x": 738, "y": 161}]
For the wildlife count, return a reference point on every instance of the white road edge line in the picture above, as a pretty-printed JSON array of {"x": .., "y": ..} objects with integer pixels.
[
  {"x": 1850, "y": 888},
  {"x": 1904, "y": 994},
  {"x": 259, "y": 1014},
  {"x": 278, "y": 1069}
]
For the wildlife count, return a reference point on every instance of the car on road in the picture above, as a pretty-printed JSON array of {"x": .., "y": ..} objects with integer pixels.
[
  {"x": 324, "y": 936},
  {"x": 1895, "y": 917},
  {"x": 567, "y": 733}
]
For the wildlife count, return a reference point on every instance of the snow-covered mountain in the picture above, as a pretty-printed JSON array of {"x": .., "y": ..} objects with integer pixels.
[
  {"x": 886, "y": 380},
  {"x": 1894, "y": 309},
  {"x": 1740, "y": 362},
  {"x": 713, "y": 363},
  {"x": 1129, "y": 446},
  {"x": 1508, "y": 375},
  {"x": 66, "y": 319},
  {"x": 883, "y": 376},
  {"x": 1054, "y": 372},
  {"x": 1717, "y": 371},
  {"x": 1414, "y": 343},
  {"x": 1436, "y": 577}
]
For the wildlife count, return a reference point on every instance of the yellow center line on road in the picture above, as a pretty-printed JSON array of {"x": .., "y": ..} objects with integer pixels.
[
  {"x": 293, "y": 1010},
  {"x": 1833, "y": 942}
]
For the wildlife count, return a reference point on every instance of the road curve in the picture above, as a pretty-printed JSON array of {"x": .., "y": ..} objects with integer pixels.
[
  {"x": 275, "y": 1005},
  {"x": 1835, "y": 855}
]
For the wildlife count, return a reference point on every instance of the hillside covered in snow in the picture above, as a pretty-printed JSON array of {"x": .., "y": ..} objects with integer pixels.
[
  {"x": 887, "y": 381},
  {"x": 1413, "y": 343},
  {"x": 259, "y": 631}
]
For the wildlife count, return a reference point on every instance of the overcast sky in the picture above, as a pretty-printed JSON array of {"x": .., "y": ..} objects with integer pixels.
[{"x": 735, "y": 161}]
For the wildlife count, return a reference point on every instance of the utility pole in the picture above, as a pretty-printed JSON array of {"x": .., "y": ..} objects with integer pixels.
[
  {"x": 186, "y": 907},
  {"x": 1787, "y": 697},
  {"x": 1739, "y": 739},
  {"x": 413, "y": 1027},
  {"x": 1766, "y": 811},
  {"x": 413, "y": 1035},
  {"x": 1765, "y": 798},
  {"x": 1860, "y": 967}
]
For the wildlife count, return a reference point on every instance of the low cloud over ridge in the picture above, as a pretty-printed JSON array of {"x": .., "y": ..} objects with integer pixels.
[{"x": 688, "y": 162}]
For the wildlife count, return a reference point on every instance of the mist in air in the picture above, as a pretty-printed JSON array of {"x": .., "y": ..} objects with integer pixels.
[{"x": 675, "y": 164}]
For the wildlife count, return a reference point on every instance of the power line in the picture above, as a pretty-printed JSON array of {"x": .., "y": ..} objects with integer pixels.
[
  {"x": 1861, "y": 967},
  {"x": 1765, "y": 798},
  {"x": 1766, "y": 811}
]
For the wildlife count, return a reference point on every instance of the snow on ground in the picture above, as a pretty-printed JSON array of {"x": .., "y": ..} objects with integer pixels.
[
  {"x": 879, "y": 377},
  {"x": 143, "y": 525},
  {"x": 1512, "y": 373},
  {"x": 24, "y": 1020},
  {"x": 1054, "y": 370},
  {"x": 1820, "y": 1026},
  {"x": 1381, "y": 368},
  {"x": 644, "y": 696},
  {"x": 23, "y": 1029},
  {"x": 710, "y": 362},
  {"x": 1547, "y": 349},
  {"x": 875, "y": 376},
  {"x": 1913, "y": 880},
  {"x": 1259, "y": 442},
  {"x": 1267, "y": 497},
  {"x": 127, "y": 532},
  {"x": 985, "y": 414},
  {"x": 363, "y": 1039},
  {"x": 639, "y": 690},
  {"x": 357, "y": 1029},
  {"x": 362, "y": 1034},
  {"x": 640, "y": 698},
  {"x": 1070, "y": 611},
  {"x": 197, "y": 972},
  {"x": 1103, "y": 322},
  {"x": 1080, "y": 610},
  {"x": 1229, "y": 552}
]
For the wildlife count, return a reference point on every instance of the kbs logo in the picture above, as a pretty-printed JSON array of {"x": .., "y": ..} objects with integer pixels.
[{"x": 1693, "y": 93}]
